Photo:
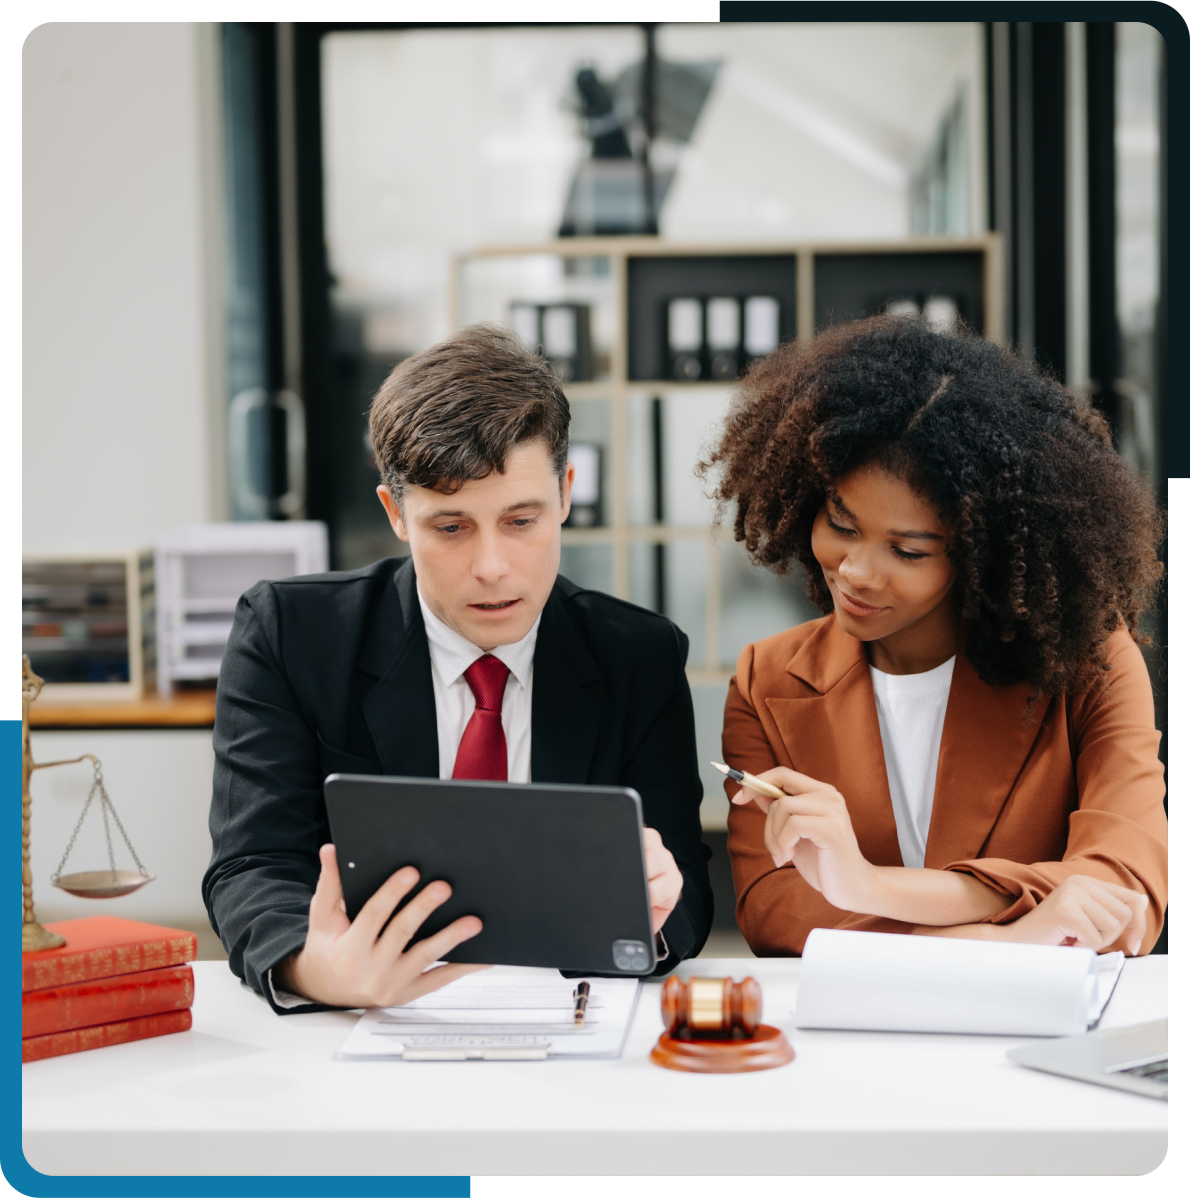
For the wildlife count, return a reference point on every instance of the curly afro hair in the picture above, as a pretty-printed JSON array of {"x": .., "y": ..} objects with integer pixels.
[{"x": 1054, "y": 539}]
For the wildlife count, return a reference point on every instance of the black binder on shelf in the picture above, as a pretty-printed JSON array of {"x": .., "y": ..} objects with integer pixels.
[
  {"x": 689, "y": 317},
  {"x": 942, "y": 286},
  {"x": 561, "y": 332},
  {"x": 684, "y": 344},
  {"x": 724, "y": 338},
  {"x": 717, "y": 338},
  {"x": 586, "y": 496}
]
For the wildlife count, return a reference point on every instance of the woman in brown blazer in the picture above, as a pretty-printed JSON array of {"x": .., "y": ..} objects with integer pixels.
[{"x": 966, "y": 741}]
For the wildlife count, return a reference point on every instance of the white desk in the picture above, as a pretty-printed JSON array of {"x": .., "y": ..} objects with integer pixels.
[{"x": 248, "y": 1092}]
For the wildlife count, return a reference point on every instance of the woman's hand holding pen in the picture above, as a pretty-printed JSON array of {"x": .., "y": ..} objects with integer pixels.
[{"x": 811, "y": 827}]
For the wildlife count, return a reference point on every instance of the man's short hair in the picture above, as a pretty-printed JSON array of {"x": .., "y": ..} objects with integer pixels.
[{"x": 455, "y": 411}]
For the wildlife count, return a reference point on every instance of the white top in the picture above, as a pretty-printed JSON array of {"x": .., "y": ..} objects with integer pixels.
[
  {"x": 450, "y": 655},
  {"x": 912, "y": 708}
]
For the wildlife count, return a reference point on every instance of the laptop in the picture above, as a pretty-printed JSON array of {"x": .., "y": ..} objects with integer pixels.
[
  {"x": 556, "y": 873},
  {"x": 1132, "y": 1058}
]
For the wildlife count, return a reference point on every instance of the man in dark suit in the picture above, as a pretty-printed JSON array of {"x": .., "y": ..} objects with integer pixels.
[{"x": 472, "y": 658}]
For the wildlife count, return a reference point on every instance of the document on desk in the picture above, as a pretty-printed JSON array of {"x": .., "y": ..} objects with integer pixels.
[
  {"x": 874, "y": 981},
  {"x": 508, "y": 1013}
]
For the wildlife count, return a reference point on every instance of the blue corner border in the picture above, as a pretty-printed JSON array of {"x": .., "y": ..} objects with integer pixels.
[{"x": 27, "y": 1180}]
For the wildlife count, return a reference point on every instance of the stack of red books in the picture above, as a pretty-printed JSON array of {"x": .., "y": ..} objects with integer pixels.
[{"x": 114, "y": 980}]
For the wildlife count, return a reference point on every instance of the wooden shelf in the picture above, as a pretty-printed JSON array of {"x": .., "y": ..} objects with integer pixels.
[
  {"x": 618, "y": 392},
  {"x": 188, "y": 709}
]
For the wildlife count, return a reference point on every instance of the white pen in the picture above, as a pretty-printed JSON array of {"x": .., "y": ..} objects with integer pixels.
[{"x": 750, "y": 781}]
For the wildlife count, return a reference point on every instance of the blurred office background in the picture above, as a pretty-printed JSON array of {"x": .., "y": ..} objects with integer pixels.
[{"x": 233, "y": 232}]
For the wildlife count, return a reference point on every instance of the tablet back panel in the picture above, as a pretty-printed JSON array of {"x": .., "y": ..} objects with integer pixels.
[{"x": 556, "y": 873}]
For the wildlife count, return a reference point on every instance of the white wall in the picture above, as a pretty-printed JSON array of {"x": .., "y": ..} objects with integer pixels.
[
  {"x": 159, "y": 781},
  {"x": 122, "y": 384}
]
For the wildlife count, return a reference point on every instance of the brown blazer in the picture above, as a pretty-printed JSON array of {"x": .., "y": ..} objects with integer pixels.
[{"x": 1019, "y": 803}]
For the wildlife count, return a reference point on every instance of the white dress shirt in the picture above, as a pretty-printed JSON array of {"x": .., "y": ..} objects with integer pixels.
[
  {"x": 912, "y": 710},
  {"x": 450, "y": 655}
]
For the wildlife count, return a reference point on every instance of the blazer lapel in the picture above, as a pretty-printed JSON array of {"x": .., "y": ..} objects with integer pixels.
[
  {"x": 567, "y": 699},
  {"x": 399, "y": 709},
  {"x": 985, "y": 742},
  {"x": 838, "y": 735}
]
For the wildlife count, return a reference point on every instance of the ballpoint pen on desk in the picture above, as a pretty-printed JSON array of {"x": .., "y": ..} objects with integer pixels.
[
  {"x": 750, "y": 781},
  {"x": 581, "y": 994}
]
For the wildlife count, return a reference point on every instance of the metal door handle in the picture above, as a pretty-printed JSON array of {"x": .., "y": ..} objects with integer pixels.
[
  {"x": 293, "y": 502},
  {"x": 247, "y": 500}
]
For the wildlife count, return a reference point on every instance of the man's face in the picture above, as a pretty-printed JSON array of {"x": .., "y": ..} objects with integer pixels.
[{"x": 487, "y": 556}]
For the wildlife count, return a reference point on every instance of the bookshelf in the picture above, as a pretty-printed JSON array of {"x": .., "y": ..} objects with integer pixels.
[
  {"x": 86, "y": 625},
  {"x": 657, "y": 544},
  {"x": 609, "y": 274}
]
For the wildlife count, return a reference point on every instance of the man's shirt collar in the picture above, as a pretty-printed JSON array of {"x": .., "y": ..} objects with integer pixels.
[{"x": 452, "y": 653}]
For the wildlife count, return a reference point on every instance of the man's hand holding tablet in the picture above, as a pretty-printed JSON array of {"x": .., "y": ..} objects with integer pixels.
[
  {"x": 347, "y": 963},
  {"x": 665, "y": 879}
]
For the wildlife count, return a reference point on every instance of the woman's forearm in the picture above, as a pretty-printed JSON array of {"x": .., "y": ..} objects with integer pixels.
[
  {"x": 965, "y": 931},
  {"x": 938, "y": 898}
]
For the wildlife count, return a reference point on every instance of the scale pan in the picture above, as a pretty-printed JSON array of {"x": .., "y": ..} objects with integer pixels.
[{"x": 102, "y": 883}]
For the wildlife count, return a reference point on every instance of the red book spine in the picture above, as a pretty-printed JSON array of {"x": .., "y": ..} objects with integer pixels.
[
  {"x": 104, "y": 946},
  {"x": 106, "y": 1000},
  {"x": 58, "y": 1044}
]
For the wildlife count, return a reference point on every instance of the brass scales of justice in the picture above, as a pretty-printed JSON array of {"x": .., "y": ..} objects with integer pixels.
[{"x": 96, "y": 883}]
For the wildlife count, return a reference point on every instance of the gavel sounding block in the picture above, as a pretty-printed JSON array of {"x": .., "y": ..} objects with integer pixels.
[{"x": 712, "y": 1025}]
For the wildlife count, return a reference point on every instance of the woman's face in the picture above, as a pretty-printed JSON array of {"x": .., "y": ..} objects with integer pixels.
[{"x": 882, "y": 549}]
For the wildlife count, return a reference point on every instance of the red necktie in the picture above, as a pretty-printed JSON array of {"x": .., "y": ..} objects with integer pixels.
[{"x": 483, "y": 751}]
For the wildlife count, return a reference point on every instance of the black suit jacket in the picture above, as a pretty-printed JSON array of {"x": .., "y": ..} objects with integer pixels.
[{"x": 331, "y": 672}]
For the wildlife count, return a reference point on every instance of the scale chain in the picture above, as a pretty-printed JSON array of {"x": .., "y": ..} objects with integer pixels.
[
  {"x": 107, "y": 831},
  {"x": 74, "y": 835},
  {"x": 111, "y": 807},
  {"x": 105, "y": 805}
]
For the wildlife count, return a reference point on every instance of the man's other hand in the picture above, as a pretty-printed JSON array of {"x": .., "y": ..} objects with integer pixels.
[
  {"x": 665, "y": 879},
  {"x": 347, "y": 963}
]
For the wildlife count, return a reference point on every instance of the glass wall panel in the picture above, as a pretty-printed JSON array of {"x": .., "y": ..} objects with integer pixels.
[
  {"x": 708, "y": 733},
  {"x": 756, "y": 602},
  {"x": 663, "y": 488},
  {"x": 588, "y": 566},
  {"x": 681, "y": 569},
  {"x": 644, "y": 558},
  {"x": 686, "y": 594},
  {"x": 438, "y": 140},
  {"x": 590, "y": 451},
  {"x": 1138, "y": 71},
  {"x": 646, "y": 503}
]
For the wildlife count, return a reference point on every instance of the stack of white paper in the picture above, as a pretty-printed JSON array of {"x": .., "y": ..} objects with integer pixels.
[
  {"x": 509, "y": 1013},
  {"x": 872, "y": 981}
]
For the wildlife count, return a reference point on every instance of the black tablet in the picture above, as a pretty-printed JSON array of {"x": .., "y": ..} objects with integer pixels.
[{"x": 556, "y": 873}]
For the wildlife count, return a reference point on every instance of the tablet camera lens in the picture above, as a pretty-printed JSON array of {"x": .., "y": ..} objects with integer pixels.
[{"x": 630, "y": 955}]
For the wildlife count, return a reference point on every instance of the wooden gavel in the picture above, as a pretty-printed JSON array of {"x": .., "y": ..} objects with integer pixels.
[{"x": 710, "y": 1006}]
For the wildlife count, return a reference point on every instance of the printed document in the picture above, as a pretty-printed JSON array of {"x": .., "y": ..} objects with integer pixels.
[
  {"x": 876, "y": 981},
  {"x": 508, "y": 1013}
]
